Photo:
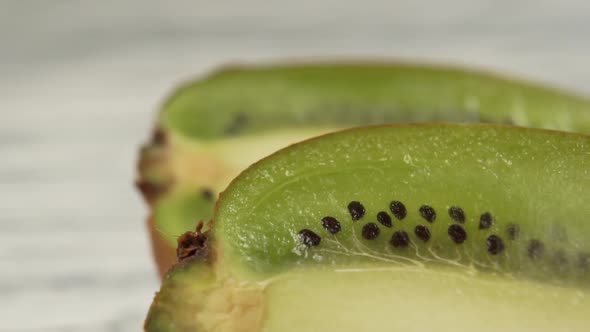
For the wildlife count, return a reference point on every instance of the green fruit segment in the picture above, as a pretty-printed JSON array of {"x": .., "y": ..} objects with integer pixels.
[
  {"x": 535, "y": 181},
  {"x": 242, "y": 101},
  {"x": 486, "y": 230}
]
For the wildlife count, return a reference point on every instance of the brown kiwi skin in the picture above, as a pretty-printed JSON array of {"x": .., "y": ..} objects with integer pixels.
[{"x": 162, "y": 251}]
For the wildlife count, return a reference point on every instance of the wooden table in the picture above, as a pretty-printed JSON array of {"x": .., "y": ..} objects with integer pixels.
[{"x": 80, "y": 83}]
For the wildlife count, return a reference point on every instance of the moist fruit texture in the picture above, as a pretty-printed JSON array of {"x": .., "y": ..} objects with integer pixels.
[
  {"x": 474, "y": 227},
  {"x": 211, "y": 129}
]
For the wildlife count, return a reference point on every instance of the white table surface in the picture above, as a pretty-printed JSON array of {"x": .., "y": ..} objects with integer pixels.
[{"x": 80, "y": 82}]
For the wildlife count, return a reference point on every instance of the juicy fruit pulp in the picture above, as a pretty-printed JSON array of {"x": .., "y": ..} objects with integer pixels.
[
  {"x": 250, "y": 100},
  {"x": 492, "y": 220},
  {"x": 212, "y": 129}
]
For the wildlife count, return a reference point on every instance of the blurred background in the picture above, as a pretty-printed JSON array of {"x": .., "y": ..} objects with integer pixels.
[{"x": 80, "y": 83}]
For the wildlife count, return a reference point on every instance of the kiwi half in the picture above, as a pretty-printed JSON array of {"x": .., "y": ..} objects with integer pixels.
[
  {"x": 211, "y": 129},
  {"x": 403, "y": 228}
]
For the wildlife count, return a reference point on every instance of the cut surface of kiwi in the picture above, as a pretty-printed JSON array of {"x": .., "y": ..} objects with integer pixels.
[
  {"x": 250, "y": 100},
  {"x": 211, "y": 129},
  {"x": 403, "y": 228}
]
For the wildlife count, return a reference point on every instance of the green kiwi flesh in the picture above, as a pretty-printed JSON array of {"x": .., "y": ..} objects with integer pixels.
[
  {"x": 211, "y": 129},
  {"x": 251, "y": 100},
  {"x": 509, "y": 248}
]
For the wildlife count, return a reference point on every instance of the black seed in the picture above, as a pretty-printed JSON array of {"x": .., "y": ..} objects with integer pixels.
[
  {"x": 428, "y": 213},
  {"x": 331, "y": 224},
  {"x": 370, "y": 231},
  {"x": 422, "y": 232},
  {"x": 513, "y": 231},
  {"x": 495, "y": 244},
  {"x": 356, "y": 209},
  {"x": 309, "y": 238},
  {"x": 456, "y": 213},
  {"x": 384, "y": 219},
  {"x": 207, "y": 194},
  {"x": 457, "y": 234},
  {"x": 536, "y": 249},
  {"x": 398, "y": 209},
  {"x": 400, "y": 239},
  {"x": 486, "y": 221},
  {"x": 584, "y": 261}
]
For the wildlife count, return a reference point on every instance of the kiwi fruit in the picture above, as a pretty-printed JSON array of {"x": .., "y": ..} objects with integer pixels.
[
  {"x": 211, "y": 129},
  {"x": 403, "y": 227}
]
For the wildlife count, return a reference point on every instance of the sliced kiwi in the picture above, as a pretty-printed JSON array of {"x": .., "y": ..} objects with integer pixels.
[
  {"x": 211, "y": 129},
  {"x": 486, "y": 230}
]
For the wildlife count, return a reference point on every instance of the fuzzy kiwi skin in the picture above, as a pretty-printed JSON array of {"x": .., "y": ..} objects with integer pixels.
[
  {"x": 535, "y": 180},
  {"x": 248, "y": 101}
]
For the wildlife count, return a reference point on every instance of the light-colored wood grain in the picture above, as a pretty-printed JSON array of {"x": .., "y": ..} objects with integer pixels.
[{"x": 80, "y": 82}]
